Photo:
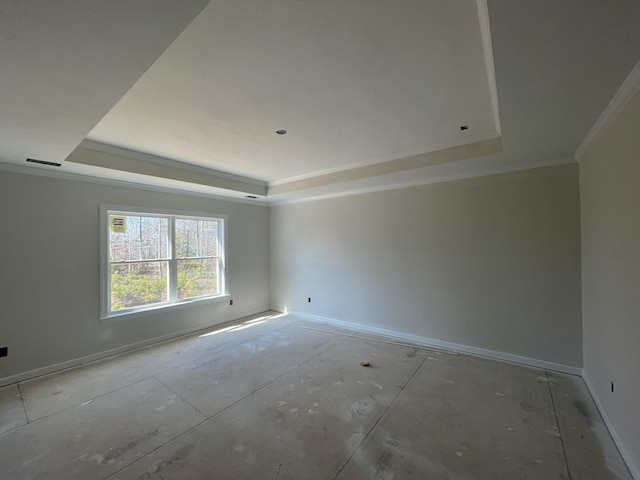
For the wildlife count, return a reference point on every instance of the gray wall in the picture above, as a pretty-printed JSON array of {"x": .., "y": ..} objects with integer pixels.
[
  {"x": 610, "y": 195},
  {"x": 490, "y": 262},
  {"x": 50, "y": 277}
]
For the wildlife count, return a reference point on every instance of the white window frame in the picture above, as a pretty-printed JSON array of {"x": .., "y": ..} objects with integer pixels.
[{"x": 172, "y": 303}]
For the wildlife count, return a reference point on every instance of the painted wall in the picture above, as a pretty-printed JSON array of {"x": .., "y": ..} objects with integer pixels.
[
  {"x": 490, "y": 262},
  {"x": 50, "y": 273},
  {"x": 610, "y": 196}
]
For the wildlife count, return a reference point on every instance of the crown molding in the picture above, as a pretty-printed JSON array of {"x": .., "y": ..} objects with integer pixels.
[
  {"x": 622, "y": 97},
  {"x": 428, "y": 181},
  {"x": 426, "y": 150},
  {"x": 487, "y": 48},
  {"x": 121, "y": 165},
  {"x": 414, "y": 162},
  {"x": 82, "y": 177},
  {"x": 145, "y": 157}
]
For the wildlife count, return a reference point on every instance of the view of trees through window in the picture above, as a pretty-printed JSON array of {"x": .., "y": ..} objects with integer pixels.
[
  {"x": 197, "y": 257},
  {"x": 148, "y": 254}
]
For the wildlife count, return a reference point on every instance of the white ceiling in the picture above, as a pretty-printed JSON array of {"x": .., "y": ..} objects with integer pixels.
[
  {"x": 64, "y": 64},
  {"x": 351, "y": 82},
  {"x": 372, "y": 93}
]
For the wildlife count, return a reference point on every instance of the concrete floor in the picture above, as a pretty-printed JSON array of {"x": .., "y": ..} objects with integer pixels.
[{"x": 276, "y": 398}]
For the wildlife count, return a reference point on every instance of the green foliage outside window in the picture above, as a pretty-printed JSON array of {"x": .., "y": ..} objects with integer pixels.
[
  {"x": 140, "y": 255},
  {"x": 138, "y": 284},
  {"x": 197, "y": 277}
]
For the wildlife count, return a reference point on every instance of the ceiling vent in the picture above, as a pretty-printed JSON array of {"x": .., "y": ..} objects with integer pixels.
[{"x": 43, "y": 162}]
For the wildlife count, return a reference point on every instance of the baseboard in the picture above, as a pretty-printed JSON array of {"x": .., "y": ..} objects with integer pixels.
[
  {"x": 430, "y": 342},
  {"x": 76, "y": 362},
  {"x": 633, "y": 469},
  {"x": 441, "y": 344}
]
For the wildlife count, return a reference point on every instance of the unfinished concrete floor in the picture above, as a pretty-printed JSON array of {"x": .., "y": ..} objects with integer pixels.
[{"x": 276, "y": 398}]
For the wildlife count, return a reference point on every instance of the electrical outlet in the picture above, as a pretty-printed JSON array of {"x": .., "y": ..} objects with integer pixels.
[
  {"x": 231, "y": 302},
  {"x": 4, "y": 351},
  {"x": 612, "y": 386},
  {"x": 309, "y": 300}
]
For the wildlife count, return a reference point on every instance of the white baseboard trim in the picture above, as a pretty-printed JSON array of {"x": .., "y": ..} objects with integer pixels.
[
  {"x": 633, "y": 469},
  {"x": 76, "y": 362},
  {"x": 432, "y": 342}
]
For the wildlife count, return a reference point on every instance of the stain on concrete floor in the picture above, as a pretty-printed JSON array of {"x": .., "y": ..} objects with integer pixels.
[{"x": 277, "y": 401}]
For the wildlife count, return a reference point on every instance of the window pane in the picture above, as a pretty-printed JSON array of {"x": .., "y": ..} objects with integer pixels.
[
  {"x": 143, "y": 238},
  {"x": 196, "y": 238},
  {"x": 154, "y": 237},
  {"x": 197, "y": 277},
  {"x": 137, "y": 284}
]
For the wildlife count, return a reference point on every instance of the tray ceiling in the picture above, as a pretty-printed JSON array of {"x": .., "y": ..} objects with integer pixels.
[{"x": 373, "y": 94}]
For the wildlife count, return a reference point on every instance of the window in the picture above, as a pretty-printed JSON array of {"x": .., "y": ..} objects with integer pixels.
[{"x": 156, "y": 259}]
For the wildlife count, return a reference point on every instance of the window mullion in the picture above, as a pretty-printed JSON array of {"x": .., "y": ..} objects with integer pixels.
[
  {"x": 222, "y": 274},
  {"x": 173, "y": 263}
]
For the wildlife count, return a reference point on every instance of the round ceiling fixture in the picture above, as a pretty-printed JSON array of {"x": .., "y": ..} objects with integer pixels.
[{"x": 281, "y": 132}]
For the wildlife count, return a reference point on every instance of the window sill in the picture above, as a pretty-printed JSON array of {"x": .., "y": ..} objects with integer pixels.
[{"x": 133, "y": 314}]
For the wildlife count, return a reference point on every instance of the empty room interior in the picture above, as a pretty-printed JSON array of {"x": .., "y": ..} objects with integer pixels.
[{"x": 320, "y": 240}]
